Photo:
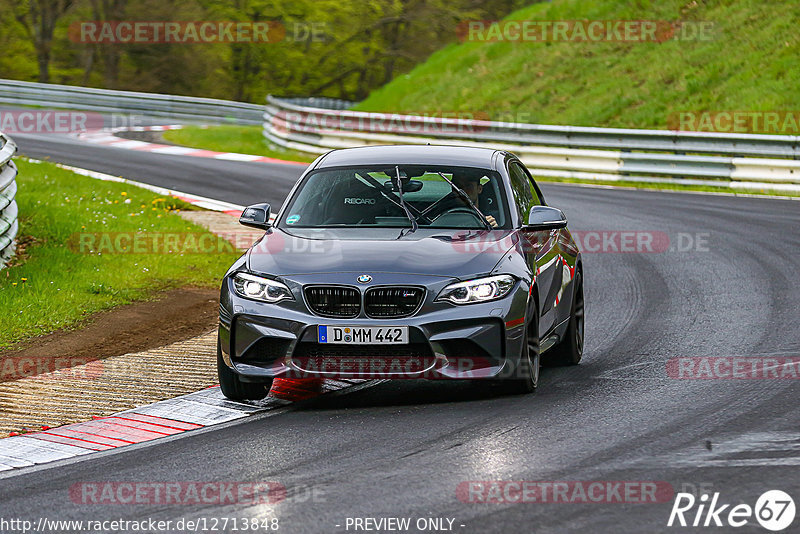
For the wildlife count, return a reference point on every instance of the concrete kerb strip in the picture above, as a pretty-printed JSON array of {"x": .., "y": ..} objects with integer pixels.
[{"x": 109, "y": 138}]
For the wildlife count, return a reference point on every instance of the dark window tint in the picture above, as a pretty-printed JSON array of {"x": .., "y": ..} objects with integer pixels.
[
  {"x": 369, "y": 197},
  {"x": 521, "y": 188},
  {"x": 538, "y": 199}
]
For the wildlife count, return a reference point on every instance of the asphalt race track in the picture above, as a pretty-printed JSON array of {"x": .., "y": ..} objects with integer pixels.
[
  {"x": 231, "y": 181},
  {"x": 727, "y": 288}
]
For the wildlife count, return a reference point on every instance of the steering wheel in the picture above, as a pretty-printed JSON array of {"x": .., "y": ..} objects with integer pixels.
[{"x": 459, "y": 211}]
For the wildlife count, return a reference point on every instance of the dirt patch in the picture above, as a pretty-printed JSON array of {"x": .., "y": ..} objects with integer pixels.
[{"x": 176, "y": 315}]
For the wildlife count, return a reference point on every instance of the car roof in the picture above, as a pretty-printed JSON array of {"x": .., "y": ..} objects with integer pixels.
[{"x": 461, "y": 156}]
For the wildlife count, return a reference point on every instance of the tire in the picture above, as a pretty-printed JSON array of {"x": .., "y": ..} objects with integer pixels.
[
  {"x": 232, "y": 386},
  {"x": 525, "y": 377},
  {"x": 569, "y": 351}
]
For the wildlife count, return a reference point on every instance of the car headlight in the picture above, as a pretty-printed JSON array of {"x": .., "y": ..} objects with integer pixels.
[
  {"x": 478, "y": 290},
  {"x": 258, "y": 288}
]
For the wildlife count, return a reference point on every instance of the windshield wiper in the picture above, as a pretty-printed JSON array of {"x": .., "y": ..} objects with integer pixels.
[
  {"x": 387, "y": 194},
  {"x": 411, "y": 218},
  {"x": 460, "y": 192}
]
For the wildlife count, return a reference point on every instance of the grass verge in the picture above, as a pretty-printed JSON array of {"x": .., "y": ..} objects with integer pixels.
[
  {"x": 229, "y": 138},
  {"x": 745, "y": 64},
  {"x": 76, "y": 256}
]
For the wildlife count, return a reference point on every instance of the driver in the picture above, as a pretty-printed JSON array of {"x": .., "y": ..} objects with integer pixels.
[{"x": 471, "y": 184}]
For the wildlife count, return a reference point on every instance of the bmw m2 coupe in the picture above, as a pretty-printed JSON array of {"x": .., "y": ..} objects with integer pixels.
[{"x": 404, "y": 262}]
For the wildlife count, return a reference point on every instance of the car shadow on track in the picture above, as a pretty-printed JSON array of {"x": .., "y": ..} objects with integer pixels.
[{"x": 416, "y": 392}]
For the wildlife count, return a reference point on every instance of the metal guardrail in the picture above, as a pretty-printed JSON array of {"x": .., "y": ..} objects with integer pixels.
[
  {"x": 321, "y": 102},
  {"x": 183, "y": 108},
  {"x": 699, "y": 158},
  {"x": 8, "y": 192},
  {"x": 316, "y": 125}
]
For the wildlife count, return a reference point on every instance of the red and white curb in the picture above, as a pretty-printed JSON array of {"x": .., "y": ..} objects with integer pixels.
[
  {"x": 165, "y": 418},
  {"x": 108, "y": 138}
]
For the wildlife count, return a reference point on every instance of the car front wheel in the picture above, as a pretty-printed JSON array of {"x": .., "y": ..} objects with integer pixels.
[
  {"x": 525, "y": 377},
  {"x": 570, "y": 350},
  {"x": 234, "y": 388}
]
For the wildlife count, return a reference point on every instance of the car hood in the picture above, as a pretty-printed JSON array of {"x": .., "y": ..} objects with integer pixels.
[{"x": 445, "y": 253}]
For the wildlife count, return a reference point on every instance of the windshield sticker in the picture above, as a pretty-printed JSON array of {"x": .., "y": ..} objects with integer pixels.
[{"x": 292, "y": 219}]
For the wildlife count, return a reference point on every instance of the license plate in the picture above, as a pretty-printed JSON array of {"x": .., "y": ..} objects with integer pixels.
[{"x": 363, "y": 335}]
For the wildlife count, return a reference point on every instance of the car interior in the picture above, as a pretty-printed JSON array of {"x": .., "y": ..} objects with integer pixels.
[{"x": 370, "y": 197}]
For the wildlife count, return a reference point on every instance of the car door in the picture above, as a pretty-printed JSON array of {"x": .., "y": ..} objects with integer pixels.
[{"x": 542, "y": 250}]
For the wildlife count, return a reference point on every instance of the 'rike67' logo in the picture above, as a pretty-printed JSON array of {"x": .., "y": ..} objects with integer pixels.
[{"x": 774, "y": 510}]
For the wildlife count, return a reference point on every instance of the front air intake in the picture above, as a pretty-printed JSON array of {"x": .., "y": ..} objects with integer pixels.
[
  {"x": 334, "y": 301},
  {"x": 393, "y": 301}
]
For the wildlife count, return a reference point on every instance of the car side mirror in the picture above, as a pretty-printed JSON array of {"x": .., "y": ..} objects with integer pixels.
[
  {"x": 545, "y": 218},
  {"x": 256, "y": 216}
]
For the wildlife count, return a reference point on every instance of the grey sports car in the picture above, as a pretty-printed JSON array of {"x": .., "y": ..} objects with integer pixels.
[{"x": 404, "y": 262}]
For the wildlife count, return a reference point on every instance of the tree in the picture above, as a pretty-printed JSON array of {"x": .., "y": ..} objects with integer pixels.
[
  {"x": 108, "y": 10},
  {"x": 39, "y": 18},
  {"x": 246, "y": 59},
  {"x": 330, "y": 48}
]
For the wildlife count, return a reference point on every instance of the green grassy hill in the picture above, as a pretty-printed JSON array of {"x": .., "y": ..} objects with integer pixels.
[{"x": 750, "y": 64}]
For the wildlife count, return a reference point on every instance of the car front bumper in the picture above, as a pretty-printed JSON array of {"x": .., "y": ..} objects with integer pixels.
[{"x": 260, "y": 341}]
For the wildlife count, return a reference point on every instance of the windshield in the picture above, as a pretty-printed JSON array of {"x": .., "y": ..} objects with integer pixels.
[{"x": 369, "y": 197}]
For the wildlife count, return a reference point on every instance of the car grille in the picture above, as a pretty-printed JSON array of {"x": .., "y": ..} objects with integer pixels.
[
  {"x": 393, "y": 301},
  {"x": 334, "y": 301},
  {"x": 364, "y": 359}
]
